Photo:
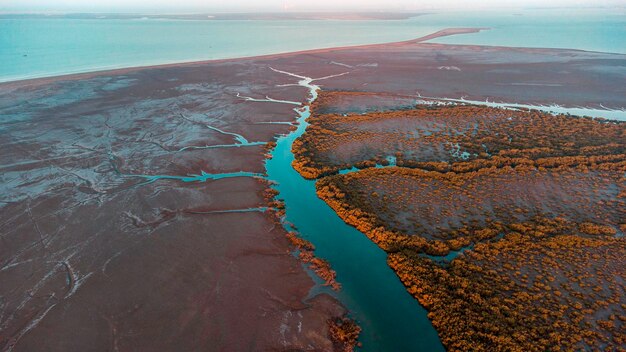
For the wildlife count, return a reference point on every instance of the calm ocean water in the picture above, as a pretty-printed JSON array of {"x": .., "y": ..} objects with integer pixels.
[{"x": 39, "y": 47}]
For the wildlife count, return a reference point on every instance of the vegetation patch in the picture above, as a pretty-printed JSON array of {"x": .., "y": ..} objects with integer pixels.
[{"x": 507, "y": 226}]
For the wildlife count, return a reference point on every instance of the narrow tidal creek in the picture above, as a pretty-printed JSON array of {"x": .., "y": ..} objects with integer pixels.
[{"x": 391, "y": 319}]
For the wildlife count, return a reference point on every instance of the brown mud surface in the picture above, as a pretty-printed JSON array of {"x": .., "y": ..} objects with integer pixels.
[
  {"x": 507, "y": 226},
  {"x": 92, "y": 258}
]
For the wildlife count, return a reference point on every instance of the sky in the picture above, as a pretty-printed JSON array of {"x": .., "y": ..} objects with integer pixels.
[{"x": 186, "y": 6}]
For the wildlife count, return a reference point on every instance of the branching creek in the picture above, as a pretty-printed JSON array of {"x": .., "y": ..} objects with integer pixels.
[{"x": 391, "y": 319}]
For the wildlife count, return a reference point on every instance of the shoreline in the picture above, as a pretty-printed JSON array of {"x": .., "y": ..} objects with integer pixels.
[
  {"x": 36, "y": 81},
  {"x": 123, "y": 70}
]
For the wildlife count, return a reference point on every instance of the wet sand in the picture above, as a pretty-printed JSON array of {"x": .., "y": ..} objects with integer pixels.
[{"x": 96, "y": 259}]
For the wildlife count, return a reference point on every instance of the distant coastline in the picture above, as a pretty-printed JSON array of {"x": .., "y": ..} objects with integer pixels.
[
  {"x": 37, "y": 45},
  {"x": 261, "y": 16},
  {"x": 123, "y": 70}
]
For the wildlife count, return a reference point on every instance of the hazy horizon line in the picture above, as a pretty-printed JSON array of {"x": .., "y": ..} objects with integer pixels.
[{"x": 288, "y": 11}]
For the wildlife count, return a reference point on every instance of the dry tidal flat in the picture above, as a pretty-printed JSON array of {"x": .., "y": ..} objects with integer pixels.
[{"x": 107, "y": 243}]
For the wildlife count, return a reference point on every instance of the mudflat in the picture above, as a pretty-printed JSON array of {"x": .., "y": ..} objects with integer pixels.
[
  {"x": 98, "y": 254},
  {"x": 506, "y": 225},
  {"x": 105, "y": 247}
]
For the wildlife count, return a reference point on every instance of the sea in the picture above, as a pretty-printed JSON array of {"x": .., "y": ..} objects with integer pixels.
[{"x": 44, "y": 46}]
